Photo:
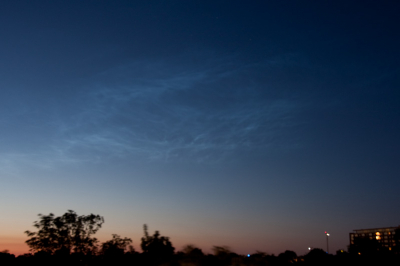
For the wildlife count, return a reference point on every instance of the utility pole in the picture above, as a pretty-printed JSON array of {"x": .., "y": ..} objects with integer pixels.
[{"x": 327, "y": 242}]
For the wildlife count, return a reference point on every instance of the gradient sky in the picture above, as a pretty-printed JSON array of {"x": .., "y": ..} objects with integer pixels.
[{"x": 252, "y": 124}]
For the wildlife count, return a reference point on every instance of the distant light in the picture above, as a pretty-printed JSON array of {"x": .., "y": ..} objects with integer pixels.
[
  {"x": 248, "y": 255},
  {"x": 309, "y": 248},
  {"x": 327, "y": 234}
]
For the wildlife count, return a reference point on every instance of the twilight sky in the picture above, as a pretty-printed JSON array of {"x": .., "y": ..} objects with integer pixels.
[{"x": 252, "y": 124}]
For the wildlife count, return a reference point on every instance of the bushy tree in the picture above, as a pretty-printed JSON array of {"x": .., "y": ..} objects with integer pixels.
[
  {"x": 221, "y": 251},
  {"x": 225, "y": 256},
  {"x": 116, "y": 246},
  {"x": 288, "y": 256},
  {"x": 317, "y": 256},
  {"x": 192, "y": 251},
  {"x": 68, "y": 233},
  {"x": 156, "y": 245}
]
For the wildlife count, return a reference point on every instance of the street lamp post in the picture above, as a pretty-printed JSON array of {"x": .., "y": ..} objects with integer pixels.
[{"x": 327, "y": 242}]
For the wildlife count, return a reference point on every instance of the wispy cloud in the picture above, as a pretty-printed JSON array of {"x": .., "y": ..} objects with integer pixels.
[
  {"x": 162, "y": 110},
  {"x": 179, "y": 113}
]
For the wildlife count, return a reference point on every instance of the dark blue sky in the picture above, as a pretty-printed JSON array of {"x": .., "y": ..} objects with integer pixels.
[{"x": 258, "y": 125}]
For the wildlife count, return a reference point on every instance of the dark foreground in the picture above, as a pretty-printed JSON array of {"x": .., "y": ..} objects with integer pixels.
[{"x": 195, "y": 257}]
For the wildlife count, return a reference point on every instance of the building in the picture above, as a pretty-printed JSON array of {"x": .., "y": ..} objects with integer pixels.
[{"x": 376, "y": 237}]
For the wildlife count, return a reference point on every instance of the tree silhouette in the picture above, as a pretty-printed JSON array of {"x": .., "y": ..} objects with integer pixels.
[
  {"x": 116, "y": 246},
  {"x": 221, "y": 250},
  {"x": 317, "y": 256},
  {"x": 192, "y": 251},
  {"x": 156, "y": 246},
  {"x": 288, "y": 256},
  {"x": 68, "y": 233},
  {"x": 224, "y": 255}
]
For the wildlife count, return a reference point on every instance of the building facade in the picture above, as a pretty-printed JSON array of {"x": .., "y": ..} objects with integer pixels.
[{"x": 382, "y": 237}]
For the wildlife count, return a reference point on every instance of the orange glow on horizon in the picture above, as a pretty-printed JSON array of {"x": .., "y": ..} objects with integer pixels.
[{"x": 16, "y": 246}]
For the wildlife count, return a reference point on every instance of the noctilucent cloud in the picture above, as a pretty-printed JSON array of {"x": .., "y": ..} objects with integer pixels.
[{"x": 255, "y": 125}]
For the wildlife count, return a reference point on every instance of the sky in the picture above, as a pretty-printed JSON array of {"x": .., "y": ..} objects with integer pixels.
[{"x": 256, "y": 125}]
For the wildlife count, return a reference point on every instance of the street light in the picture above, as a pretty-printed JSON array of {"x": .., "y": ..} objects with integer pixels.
[{"x": 327, "y": 242}]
